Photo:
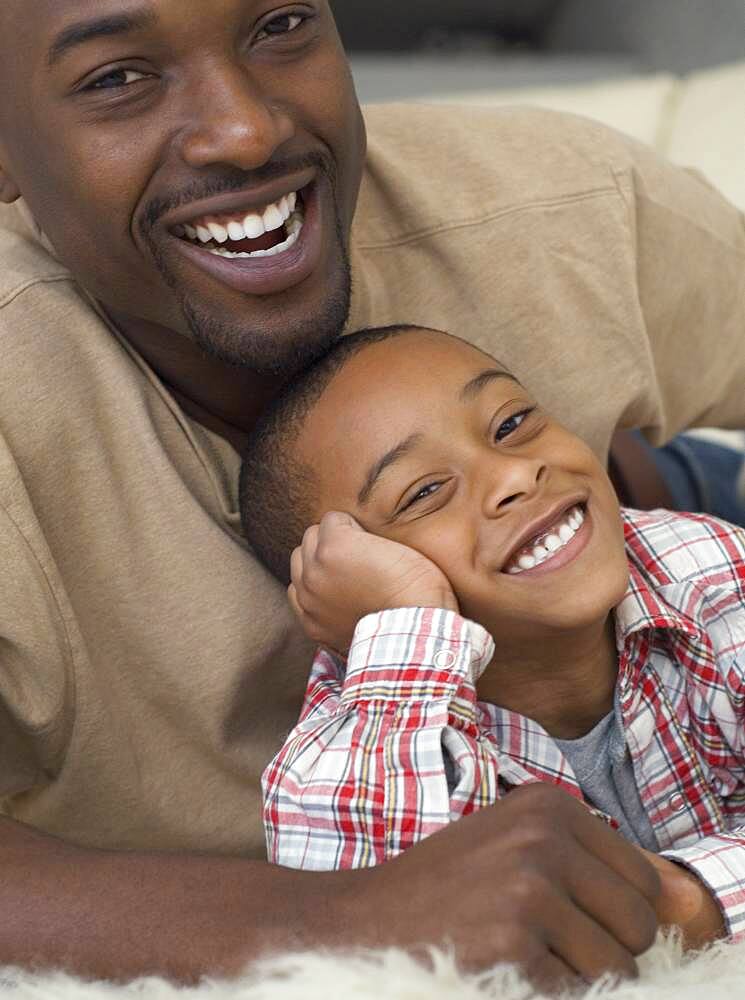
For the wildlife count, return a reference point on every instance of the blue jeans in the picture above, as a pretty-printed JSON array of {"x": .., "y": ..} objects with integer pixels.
[{"x": 702, "y": 476}]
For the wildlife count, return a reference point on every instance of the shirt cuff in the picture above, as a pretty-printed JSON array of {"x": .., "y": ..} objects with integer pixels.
[
  {"x": 719, "y": 861},
  {"x": 415, "y": 654}
]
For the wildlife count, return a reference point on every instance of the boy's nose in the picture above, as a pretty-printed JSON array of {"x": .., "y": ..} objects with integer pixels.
[
  {"x": 512, "y": 481},
  {"x": 232, "y": 122}
]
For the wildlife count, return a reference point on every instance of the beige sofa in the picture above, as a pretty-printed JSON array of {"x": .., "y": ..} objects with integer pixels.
[{"x": 698, "y": 120}]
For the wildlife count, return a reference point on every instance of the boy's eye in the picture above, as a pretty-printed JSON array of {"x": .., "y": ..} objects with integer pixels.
[
  {"x": 422, "y": 494},
  {"x": 281, "y": 25},
  {"x": 511, "y": 424}
]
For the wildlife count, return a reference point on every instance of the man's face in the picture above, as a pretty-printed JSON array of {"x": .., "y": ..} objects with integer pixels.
[
  {"x": 136, "y": 130},
  {"x": 425, "y": 441}
]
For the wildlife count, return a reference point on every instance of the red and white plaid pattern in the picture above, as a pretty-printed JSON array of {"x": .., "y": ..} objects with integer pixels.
[{"x": 363, "y": 776}]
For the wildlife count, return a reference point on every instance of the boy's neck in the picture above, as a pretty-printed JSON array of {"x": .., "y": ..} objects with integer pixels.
[{"x": 567, "y": 686}]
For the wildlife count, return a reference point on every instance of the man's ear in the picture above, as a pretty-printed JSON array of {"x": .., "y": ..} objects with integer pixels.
[
  {"x": 8, "y": 188},
  {"x": 9, "y": 191}
]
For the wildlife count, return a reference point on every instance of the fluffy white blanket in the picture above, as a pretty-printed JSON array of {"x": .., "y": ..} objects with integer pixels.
[{"x": 715, "y": 974}]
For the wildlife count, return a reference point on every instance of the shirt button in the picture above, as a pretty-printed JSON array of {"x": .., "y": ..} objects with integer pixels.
[
  {"x": 677, "y": 802},
  {"x": 444, "y": 659}
]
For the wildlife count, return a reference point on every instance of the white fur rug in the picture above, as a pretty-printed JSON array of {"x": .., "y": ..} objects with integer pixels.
[{"x": 716, "y": 974}]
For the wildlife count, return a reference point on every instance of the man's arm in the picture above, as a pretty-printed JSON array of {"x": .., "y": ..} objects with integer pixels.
[
  {"x": 526, "y": 881},
  {"x": 121, "y": 915},
  {"x": 690, "y": 258}
]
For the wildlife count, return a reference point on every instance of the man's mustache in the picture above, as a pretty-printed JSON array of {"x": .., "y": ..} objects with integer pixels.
[{"x": 229, "y": 181}]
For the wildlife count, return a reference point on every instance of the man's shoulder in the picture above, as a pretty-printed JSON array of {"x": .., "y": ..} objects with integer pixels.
[
  {"x": 672, "y": 548},
  {"x": 437, "y": 123},
  {"x": 24, "y": 261},
  {"x": 439, "y": 164},
  {"x": 47, "y": 326}
]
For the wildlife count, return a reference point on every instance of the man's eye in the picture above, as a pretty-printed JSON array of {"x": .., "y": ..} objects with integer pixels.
[
  {"x": 117, "y": 78},
  {"x": 281, "y": 25},
  {"x": 511, "y": 424}
]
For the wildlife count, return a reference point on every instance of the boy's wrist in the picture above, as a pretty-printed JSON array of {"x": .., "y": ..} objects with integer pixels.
[
  {"x": 433, "y": 650},
  {"x": 439, "y": 600},
  {"x": 440, "y": 597}
]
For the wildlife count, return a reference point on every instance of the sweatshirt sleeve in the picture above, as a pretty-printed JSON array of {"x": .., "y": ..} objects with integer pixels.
[
  {"x": 387, "y": 752},
  {"x": 36, "y": 667}
]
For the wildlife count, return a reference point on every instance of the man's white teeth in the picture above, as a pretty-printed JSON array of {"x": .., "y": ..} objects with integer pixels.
[
  {"x": 253, "y": 226},
  {"x": 537, "y": 553},
  {"x": 241, "y": 227},
  {"x": 219, "y": 232},
  {"x": 273, "y": 219},
  {"x": 271, "y": 252}
]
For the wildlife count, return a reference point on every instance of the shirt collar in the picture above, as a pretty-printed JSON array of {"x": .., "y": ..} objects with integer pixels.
[{"x": 644, "y": 607}]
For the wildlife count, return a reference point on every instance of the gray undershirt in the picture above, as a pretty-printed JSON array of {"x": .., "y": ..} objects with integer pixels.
[
  {"x": 602, "y": 765},
  {"x": 605, "y": 773}
]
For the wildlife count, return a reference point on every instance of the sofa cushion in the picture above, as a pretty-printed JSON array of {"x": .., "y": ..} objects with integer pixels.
[
  {"x": 638, "y": 106},
  {"x": 707, "y": 129}
]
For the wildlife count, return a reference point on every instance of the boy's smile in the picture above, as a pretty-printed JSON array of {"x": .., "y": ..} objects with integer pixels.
[{"x": 424, "y": 440}]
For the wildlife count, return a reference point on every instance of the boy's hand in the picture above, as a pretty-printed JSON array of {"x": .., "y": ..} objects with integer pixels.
[
  {"x": 685, "y": 902},
  {"x": 341, "y": 573}
]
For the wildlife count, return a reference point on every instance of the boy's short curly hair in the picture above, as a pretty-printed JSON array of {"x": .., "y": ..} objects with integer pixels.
[{"x": 277, "y": 490}]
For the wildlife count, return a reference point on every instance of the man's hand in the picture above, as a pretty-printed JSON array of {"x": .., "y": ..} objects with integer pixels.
[
  {"x": 341, "y": 573},
  {"x": 687, "y": 903},
  {"x": 535, "y": 880}
]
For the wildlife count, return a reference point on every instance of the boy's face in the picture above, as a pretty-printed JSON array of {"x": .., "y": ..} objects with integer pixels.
[{"x": 424, "y": 440}]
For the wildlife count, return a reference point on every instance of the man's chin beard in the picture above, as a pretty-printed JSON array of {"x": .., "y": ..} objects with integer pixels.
[{"x": 264, "y": 350}]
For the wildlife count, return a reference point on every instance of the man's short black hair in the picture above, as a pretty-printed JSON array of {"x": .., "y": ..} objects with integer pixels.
[{"x": 277, "y": 491}]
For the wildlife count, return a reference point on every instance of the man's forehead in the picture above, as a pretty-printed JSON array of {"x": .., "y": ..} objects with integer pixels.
[
  {"x": 49, "y": 17},
  {"x": 36, "y": 26}
]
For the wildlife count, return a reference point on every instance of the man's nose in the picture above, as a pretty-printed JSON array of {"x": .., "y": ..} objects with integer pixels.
[
  {"x": 231, "y": 122},
  {"x": 511, "y": 480}
]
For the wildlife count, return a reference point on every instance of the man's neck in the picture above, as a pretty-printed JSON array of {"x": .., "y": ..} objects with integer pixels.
[
  {"x": 567, "y": 686},
  {"x": 225, "y": 399}
]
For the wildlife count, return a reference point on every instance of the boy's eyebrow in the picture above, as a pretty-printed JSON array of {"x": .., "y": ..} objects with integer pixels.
[
  {"x": 100, "y": 27},
  {"x": 471, "y": 389},
  {"x": 376, "y": 471},
  {"x": 478, "y": 382}
]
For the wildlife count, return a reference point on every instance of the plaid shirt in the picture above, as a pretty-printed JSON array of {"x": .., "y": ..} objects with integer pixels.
[{"x": 363, "y": 776}]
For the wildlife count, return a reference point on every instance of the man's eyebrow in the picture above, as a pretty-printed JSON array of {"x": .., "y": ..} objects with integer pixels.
[
  {"x": 376, "y": 471},
  {"x": 100, "y": 27},
  {"x": 480, "y": 381}
]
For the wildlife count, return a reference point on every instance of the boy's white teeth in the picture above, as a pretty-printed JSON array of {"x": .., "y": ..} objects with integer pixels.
[
  {"x": 241, "y": 227},
  {"x": 547, "y": 545}
]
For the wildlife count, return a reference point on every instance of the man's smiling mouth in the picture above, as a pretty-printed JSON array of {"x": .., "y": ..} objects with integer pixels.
[
  {"x": 264, "y": 232},
  {"x": 259, "y": 242}
]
